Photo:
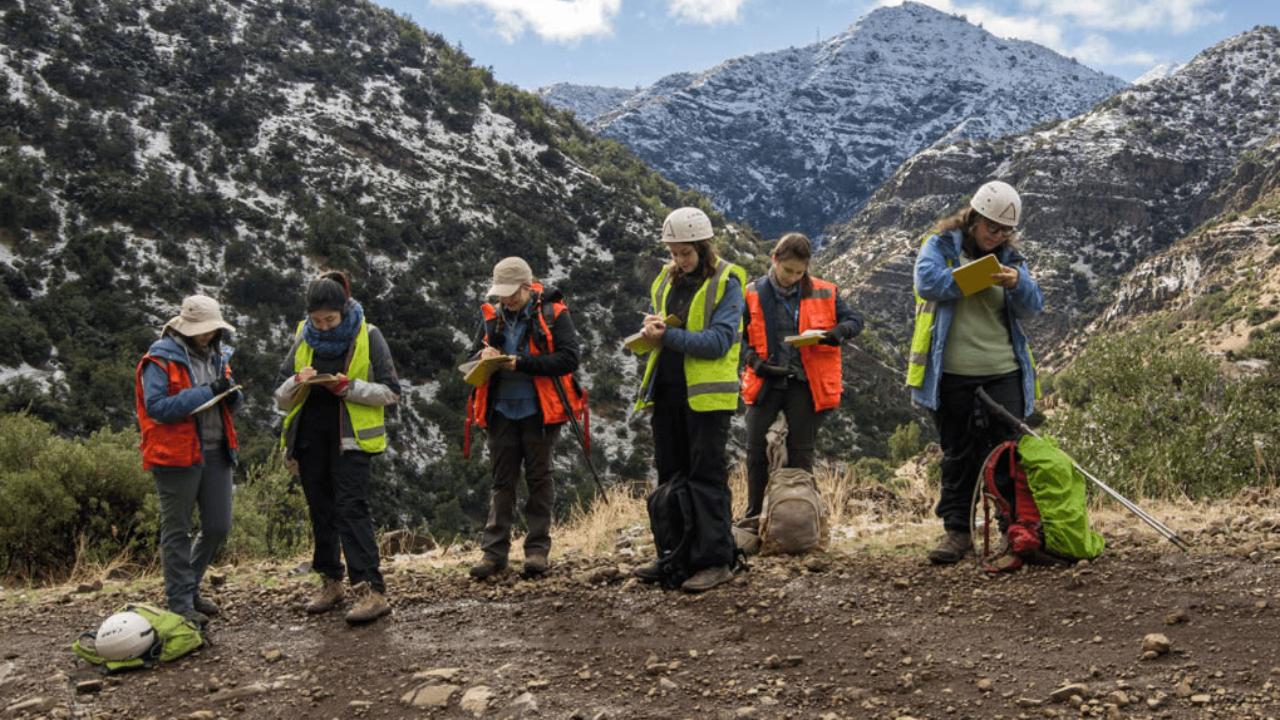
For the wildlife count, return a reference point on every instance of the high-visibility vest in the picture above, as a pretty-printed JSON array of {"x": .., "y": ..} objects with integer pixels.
[
  {"x": 821, "y": 362},
  {"x": 368, "y": 423},
  {"x": 174, "y": 444},
  {"x": 712, "y": 384},
  {"x": 922, "y": 335}
]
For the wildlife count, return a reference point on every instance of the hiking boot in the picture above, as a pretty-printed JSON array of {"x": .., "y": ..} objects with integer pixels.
[
  {"x": 487, "y": 568},
  {"x": 1007, "y": 562},
  {"x": 952, "y": 548},
  {"x": 206, "y": 606},
  {"x": 327, "y": 597},
  {"x": 707, "y": 578},
  {"x": 370, "y": 605},
  {"x": 196, "y": 617},
  {"x": 649, "y": 572},
  {"x": 535, "y": 565}
]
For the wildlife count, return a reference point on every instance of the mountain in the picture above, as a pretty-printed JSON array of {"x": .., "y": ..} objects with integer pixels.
[
  {"x": 1102, "y": 192},
  {"x": 586, "y": 102},
  {"x": 235, "y": 148},
  {"x": 798, "y": 139},
  {"x": 1159, "y": 72}
]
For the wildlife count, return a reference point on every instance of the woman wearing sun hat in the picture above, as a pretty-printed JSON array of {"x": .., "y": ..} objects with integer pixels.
[
  {"x": 190, "y": 453},
  {"x": 963, "y": 343}
]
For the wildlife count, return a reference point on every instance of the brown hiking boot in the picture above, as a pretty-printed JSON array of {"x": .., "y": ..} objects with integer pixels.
[
  {"x": 327, "y": 597},
  {"x": 370, "y": 605},
  {"x": 487, "y": 568},
  {"x": 535, "y": 565},
  {"x": 707, "y": 578},
  {"x": 952, "y": 548},
  {"x": 649, "y": 572},
  {"x": 206, "y": 606}
]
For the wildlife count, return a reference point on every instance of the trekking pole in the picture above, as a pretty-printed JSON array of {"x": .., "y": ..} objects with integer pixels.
[
  {"x": 582, "y": 442},
  {"x": 1129, "y": 505}
]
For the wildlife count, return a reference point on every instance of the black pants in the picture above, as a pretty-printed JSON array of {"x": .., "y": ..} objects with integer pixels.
[
  {"x": 967, "y": 431},
  {"x": 513, "y": 443},
  {"x": 336, "y": 485},
  {"x": 693, "y": 443},
  {"x": 792, "y": 398}
]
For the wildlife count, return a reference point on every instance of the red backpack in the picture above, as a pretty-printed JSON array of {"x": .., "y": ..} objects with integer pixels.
[{"x": 1006, "y": 498}]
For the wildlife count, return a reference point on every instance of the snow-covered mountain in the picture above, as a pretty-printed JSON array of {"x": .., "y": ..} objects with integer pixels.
[
  {"x": 1102, "y": 192},
  {"x": 236, "y": 147},
  {"x": 798, "y": 139},
  {"x": 1158, "y": 72},
  {"x": 587, "y": 102}
]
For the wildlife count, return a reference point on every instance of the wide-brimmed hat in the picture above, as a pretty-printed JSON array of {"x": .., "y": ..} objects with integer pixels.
[
  {"x": 200, "y": 314},
  {"x": 508, "y": 276}
]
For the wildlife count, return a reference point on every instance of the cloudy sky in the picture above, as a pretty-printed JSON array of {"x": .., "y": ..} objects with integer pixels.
[{"x": 630, "y": 43}]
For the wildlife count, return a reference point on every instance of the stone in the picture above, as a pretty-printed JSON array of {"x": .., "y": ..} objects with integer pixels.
[
  {"x": 1119, "y": 697},
  {"x": 94, "y": 586},
  {"x": 1201, "y": 699},
  {"x": 1064, "y": 693},
  {"x": 476, "y": 700},
  {"x": 426, "y": 696},
  {"x": 30, "y": 704},
  {"x": 1157, "y": 643},
  {"x": 217, "y": 579},
  {"x": 985, "y": 684},
  {"x": 667, "y": 684},
  {"x": 272, "y": 655},
  {"x": 1028, "y": 702},
  {"x": 1183, "y": 689},
  {"x": 1177, "y": 616},
  {"x": 91, "y": 685},
  {"x": 446, "y": 674},
  {"x": 523, "y": 706}
]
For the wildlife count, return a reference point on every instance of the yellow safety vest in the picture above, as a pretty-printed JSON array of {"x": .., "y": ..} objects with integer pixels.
[
  {"x": 712, "y": 383},
  {"x": 922, "y": 335},
  {"x": 368, "y": 423}
]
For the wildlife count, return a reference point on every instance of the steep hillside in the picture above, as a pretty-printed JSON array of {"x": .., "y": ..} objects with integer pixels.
[
  {"x": 586, "y": 102},
  {"x": 236, "y": 147},
  {"x": 798, "y": 139},
  {"x": 1102, "y": 192}
]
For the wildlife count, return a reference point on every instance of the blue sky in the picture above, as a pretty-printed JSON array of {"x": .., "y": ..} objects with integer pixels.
[{"x": 629, "y": 43}]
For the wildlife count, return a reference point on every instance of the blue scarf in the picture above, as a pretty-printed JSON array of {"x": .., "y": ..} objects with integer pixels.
[{"x": 334, "y": 342}]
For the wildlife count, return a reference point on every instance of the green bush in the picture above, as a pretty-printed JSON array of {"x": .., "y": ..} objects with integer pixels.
[
  {"x": 904, "y": 443},
  {"x": 268, "y": 514}
]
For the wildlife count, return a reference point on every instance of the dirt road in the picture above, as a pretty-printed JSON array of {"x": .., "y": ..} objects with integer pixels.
[{"x": 839, "y": 636}]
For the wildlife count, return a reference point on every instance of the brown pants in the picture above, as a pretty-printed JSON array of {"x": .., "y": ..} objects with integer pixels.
[{"x": 513, "y": 443}]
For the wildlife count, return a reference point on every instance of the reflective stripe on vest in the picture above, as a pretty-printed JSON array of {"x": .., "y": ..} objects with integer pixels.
[
  {"x": 712, "y": 384},
  {"x": 368, "y": 423},
  {"x": 174, "y": 444},
  {"x": 922, "y": 334},
  {"x": 549, "y": 402},
  {"x": 821, "y": 362}
]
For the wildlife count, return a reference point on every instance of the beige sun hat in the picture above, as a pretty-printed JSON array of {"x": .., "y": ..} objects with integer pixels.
[
  {"x": 508, "y": 275},
  {"x": 200, "y": 314}
]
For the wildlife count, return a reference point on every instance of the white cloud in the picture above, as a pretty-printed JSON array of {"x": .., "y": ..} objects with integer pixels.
[
  {"x": 1044, "y": 32},
  {"x": 1097, "y": 50},
  {"x": 706, "y": 12},
  {"x": 554, "y": 20},
  {"x": 1177, "y": 16}
]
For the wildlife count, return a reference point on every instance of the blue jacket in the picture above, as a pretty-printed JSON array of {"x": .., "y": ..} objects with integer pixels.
[
  {"x": 721, "y": 332},
  {"x": 166, "y": 408},
  {"x": 934, "y": 282}
]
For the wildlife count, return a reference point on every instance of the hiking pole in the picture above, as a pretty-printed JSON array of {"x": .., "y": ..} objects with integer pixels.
[
  {"x": 577, "y": 432},
  {"x": 1129, "y": 505}
]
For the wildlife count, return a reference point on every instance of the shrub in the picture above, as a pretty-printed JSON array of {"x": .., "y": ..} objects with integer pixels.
[
  {"x": 268, "y": 514},
  {"x": 905, "y": 443}
]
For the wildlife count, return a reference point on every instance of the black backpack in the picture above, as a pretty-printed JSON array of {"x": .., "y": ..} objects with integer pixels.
[{"x": 671, "y": 520}]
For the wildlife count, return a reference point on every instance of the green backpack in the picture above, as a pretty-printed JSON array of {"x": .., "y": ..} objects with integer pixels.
[{"x": 175, "y": 636}]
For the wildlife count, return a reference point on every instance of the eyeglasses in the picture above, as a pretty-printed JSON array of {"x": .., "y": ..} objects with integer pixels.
[{"x": 996, "y": 228}]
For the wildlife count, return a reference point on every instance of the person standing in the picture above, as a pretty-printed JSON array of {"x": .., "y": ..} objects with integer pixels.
[
  {"x": 332, "y": 431},
  {"x": 523, "y": 405},
  {"x": 961, "y": 344},
  {"x": 803, "y": 383},
  {"x": 190, "y": 453},
  {"x": 691, "y": 385}
]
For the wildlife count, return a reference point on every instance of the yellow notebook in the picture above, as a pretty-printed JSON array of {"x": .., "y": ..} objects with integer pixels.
[
  {"x": 976, "y": 276},
  {"x": 808, "y": 337},
  {"x": 477, "y": 372},
  {"x": 636, "y": 343}
]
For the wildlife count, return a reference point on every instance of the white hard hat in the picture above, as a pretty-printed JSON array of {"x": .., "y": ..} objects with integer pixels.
[
  {"x": 124, "y": 636},
  {"x": 686, "y": 225},
  {"x": 998, "y": 202}
]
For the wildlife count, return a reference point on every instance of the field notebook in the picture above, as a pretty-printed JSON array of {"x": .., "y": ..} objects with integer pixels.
[
  {"x": 808, "y": 337},
  {"x": 636, "y": 343},
  {"x": 976, "y": 276}
]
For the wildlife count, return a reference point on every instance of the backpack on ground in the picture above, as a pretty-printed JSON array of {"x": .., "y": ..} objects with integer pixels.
[
  {"x": 175, "y": 636},
  {"x": 671, "y": 520},
  {"x": 794, "y": 517},
  {"x": 1036, "y": 497}
]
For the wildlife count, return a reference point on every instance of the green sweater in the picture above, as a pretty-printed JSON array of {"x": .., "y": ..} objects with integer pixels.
[{"x": 978, "y": 342}]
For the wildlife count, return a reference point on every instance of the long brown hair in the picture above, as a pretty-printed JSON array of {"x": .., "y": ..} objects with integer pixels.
[
  {"x": 707, "y": 261},
  {"x": 965, "y": 221}
]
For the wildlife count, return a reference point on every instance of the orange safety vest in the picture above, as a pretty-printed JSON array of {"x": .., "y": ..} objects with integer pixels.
[
  {"x": 821, "y": 362},
  {"x": 549, "y": 402},
  {"x": 174, "y": 444}
]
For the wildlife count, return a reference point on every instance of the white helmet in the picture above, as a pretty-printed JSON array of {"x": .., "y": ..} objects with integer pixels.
[
  {"x": 998, "y": 202},
  {"x": 686, "y": 225},
  {"x": 124, "y": 636}
]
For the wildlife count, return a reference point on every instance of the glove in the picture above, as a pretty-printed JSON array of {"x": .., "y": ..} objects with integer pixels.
[
  {"x": 767, "y": 370},
  {"x": 220, "y": 385},
  {"x": 834, "y": 336}
]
